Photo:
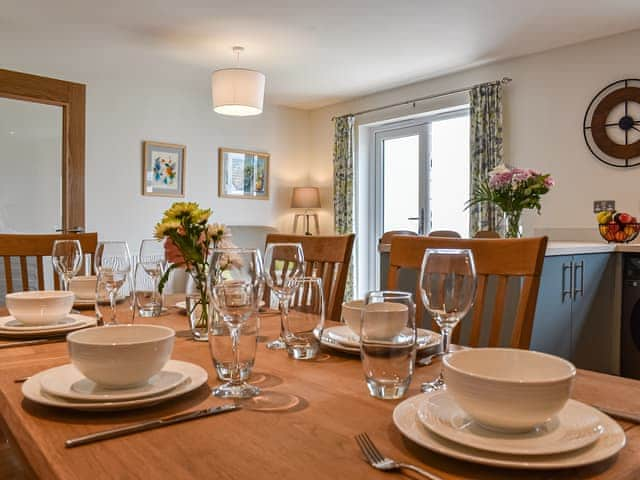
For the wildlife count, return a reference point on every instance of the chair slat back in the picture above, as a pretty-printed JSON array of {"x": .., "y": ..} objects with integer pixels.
[
  {"x": 24, "y": 246},
  {"x": 499, "y": 259},
  {"x": 327, "y": 257}
]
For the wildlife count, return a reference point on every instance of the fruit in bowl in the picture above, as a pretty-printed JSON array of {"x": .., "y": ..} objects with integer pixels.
[{"x": 617, "y": 227}]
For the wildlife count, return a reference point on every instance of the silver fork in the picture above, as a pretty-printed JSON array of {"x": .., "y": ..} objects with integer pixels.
[{"x": 379, "y": 461}]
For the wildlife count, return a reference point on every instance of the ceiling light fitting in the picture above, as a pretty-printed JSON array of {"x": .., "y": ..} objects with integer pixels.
[{"x": 237, "y": 91}]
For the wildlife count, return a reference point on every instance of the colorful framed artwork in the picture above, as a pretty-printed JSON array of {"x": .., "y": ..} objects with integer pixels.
[
  {"x": 163, "y": 167},
  {"x": 243, "y": 174}
]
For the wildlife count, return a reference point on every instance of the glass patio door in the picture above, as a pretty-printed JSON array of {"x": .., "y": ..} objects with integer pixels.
[{"x": 402, "y": 178}]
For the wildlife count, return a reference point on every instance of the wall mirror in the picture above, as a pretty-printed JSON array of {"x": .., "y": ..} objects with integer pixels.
[{"x": 42, "y": 142}]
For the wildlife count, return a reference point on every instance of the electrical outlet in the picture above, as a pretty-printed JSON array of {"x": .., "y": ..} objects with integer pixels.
[{"x": 603, "y": 205}]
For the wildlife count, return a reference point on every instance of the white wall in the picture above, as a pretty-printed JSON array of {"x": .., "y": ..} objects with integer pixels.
[
  {"x": 141, "y": 98},
  {"x": 544, "y": 109}
]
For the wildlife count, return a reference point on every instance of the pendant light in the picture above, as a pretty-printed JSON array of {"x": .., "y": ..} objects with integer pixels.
[{"x": 237, "y": 91}]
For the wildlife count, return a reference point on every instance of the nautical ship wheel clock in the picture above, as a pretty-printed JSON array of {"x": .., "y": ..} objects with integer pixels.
[{"x": 611, "y": 124}]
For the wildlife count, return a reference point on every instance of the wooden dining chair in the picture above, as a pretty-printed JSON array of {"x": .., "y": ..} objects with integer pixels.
[
  {"x": 327, "y": 257},
  {"x": 486, "y": 234},
  {"x": 33, "y": 248},
  {"x": 506, "y": 269},
  {"x": 444, "y": 234}
]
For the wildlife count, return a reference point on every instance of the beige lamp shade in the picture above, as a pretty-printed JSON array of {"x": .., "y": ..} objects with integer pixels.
[
  {"x": 305, "y": 197},
  {"x": 237, "y": 92}
]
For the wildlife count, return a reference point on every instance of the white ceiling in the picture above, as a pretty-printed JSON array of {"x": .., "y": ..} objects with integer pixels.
[{"x": 314, "y": 52}]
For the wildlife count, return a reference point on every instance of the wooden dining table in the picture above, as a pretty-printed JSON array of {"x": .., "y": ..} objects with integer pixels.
[{"x": 302, "y": 426}]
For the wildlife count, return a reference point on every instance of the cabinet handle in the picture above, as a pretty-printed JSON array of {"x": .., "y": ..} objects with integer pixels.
[
  {"x": 576, "y": 290},
  {"x": 565, "y": 291}
]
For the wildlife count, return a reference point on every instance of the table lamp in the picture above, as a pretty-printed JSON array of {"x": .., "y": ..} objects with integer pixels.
[{"x": 307, "y": 198}]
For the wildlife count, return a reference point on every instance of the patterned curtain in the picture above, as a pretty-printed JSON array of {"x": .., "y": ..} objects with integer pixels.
[
  {"x": 343, "y": 184},
  {"x": 486, "y": 150}
]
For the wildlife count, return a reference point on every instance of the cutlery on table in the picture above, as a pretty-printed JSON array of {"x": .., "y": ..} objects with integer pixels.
[
  {"x": 378, "y": 461},
  {"x": 40, "y": 341},
  {"x": 618, "y": 414},
  {"x": 149, "y": 425}
]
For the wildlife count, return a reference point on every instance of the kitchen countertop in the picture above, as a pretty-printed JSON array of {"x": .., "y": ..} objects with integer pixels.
[{"x": 555, "y": 248}]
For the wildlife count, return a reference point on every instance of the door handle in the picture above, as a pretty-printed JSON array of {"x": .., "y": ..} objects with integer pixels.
[
  {"x": 568, "y": 291},
  {"x": 576, "y": 290},
  {"x": 420, "y": 221}
]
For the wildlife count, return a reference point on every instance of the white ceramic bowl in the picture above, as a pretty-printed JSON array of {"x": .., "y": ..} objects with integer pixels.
[
  {"x": 384, "y": 319},
  {"x": 351, "y": 313},
  {"x": 84, "y": 287},
  {"x": 508, "y": 389},
  {"x": 121, "y": 356},
  {"x": 41, "y": 307}
]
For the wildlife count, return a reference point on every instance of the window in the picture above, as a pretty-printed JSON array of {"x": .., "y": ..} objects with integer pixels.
[{"x": 419, "y": 177}]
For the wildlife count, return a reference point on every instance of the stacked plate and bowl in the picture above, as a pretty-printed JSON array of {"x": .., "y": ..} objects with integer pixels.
[
  {"x": 41, "y": 314},
  {"x": 346, "y": 337},
  {"x": 116, "y": 367},
  {"x": 509, "y": 408}
]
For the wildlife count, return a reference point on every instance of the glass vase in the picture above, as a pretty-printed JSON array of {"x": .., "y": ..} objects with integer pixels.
[
  {"x": 511, "y": 222},
  {"x": 198, "y": 303}
]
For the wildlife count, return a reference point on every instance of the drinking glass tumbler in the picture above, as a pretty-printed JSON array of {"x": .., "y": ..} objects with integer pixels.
[
  {"x": 221, "y": 346},
  {"x": 388, "y": 343},
  {"x": 105, "y": 314},
  {"x": 146, "y": 300},
  {"x": 304, "y": 324}
]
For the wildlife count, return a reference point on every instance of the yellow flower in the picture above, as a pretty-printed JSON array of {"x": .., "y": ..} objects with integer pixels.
[
  {"x": 215, "y": 231},
  {"x": 181, "y": 209},
  {"x": 162, "y": 229},
  {"x": 200, "y": 216}
]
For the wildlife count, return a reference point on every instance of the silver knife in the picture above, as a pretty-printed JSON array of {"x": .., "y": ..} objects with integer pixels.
[
  {"x": 149, "y": 425},
  {"x": 40, "y": 341},
  {"x": 620, "y": 415}
]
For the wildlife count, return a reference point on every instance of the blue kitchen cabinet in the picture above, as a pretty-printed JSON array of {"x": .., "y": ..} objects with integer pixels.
[
  {"x": 574, "y": 313},
  {"x": 552, "y": 323}
]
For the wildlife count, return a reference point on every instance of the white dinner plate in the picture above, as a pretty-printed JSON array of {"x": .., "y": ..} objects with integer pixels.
[
  {"x": 341, "y": 338},
  {"x": 10, "y": 323},
  {"x": 610, "y": 442},
  {"x": 575, "y": 426},
  {"x": 10, "y": 328},
  {"x": 67, "y": 382},
  {"x": 196, "y": 377}
]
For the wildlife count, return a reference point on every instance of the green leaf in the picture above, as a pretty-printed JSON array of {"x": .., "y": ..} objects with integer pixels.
[{"x": 165, "y": 276}]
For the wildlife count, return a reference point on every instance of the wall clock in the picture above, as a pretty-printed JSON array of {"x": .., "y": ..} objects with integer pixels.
[{"x": 611, "y": 124}]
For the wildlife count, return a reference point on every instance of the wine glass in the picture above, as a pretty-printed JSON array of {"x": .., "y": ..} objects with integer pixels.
[
  {"x": 237, "y": 285},
  {"x": 66, "y": 256},
  {"x": 154, "y": 261},
  {"x": 283, "y": 266},
  {"x": 448, "y": 290},
  {"x": 113, "y": 265}
]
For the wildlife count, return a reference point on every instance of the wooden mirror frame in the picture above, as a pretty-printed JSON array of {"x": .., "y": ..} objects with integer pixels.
[{"x": 72, "y": 98}]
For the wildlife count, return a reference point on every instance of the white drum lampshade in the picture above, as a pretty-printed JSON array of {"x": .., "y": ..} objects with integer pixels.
[
  {"x": 237, "y": 92},
  {"x": 305, "y": 197}
]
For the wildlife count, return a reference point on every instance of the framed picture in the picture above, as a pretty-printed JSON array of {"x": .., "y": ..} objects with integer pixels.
[
  {"x": 243, "y": 174},
  {"x": 163, "y": 167}
]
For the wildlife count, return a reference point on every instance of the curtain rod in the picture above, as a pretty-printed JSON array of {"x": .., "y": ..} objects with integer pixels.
[{"x": 503, "y": 81}]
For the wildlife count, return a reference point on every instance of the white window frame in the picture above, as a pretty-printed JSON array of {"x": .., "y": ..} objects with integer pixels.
[{"x": 373, "y": 211}]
